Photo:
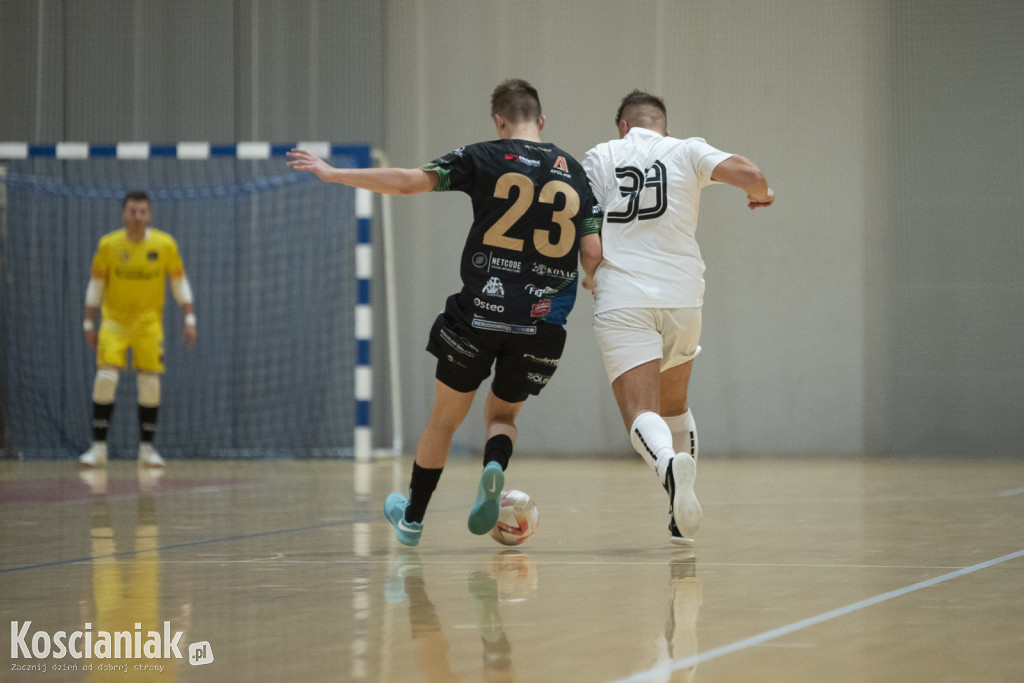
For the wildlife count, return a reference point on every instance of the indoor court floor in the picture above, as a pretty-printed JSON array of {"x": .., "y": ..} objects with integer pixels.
[{"x": 830, "y": 569}]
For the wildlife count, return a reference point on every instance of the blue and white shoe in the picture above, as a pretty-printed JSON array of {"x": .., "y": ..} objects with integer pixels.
[
  {"x": 484, "y": 514},
  {"x": 407, "y": 533},
  {"x": 404, "y": 566}
]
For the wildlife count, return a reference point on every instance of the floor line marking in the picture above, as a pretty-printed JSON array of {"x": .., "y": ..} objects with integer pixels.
[
  {"x": 739, "y": 645},
  {"x": 129, "y": 553},
  {"x": 1011, "y": 492}
]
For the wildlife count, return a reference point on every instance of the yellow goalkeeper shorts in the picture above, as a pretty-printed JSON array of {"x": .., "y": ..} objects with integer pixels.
[{"x": 144, "y": 336}]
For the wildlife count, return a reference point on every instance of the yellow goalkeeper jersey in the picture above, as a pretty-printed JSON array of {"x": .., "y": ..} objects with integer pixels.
[{"x": 134, "y": 273}]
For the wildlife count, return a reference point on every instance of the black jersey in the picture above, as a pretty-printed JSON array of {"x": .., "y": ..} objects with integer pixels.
[{"x": 531, "y": 204}]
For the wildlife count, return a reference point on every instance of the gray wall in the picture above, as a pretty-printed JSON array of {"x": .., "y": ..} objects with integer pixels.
[
  {"x": 209, "y": 70},
  {"x": 875, "y": 308},
  {"x": 949, "y": 338}
]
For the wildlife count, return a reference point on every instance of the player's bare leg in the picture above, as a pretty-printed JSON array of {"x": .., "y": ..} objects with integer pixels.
[
  {"x": 149, "y": 406},
  {"x": 103, "y": 392},
  {"x": 406, "y": 514},
  {"x": 500, "y": 429},
  {"x": 449, "y": 411},
  {"x": 675, "y": 409},
  {"x": 638, "y": 392}
]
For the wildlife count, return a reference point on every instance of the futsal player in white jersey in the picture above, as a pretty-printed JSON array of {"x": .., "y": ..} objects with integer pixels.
[{"x": 649, "y": 283}]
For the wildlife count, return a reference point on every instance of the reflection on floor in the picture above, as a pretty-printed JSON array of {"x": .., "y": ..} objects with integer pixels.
[{"x": 838, "y": 570}]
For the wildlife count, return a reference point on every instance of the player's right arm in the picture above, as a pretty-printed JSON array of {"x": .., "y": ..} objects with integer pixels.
[
  {"x": 400, "y": 181},
  {"x": 93, "y": 299},
  {"x": 743, "y": 173}
]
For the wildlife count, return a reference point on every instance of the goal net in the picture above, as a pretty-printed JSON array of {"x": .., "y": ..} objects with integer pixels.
[{"x": 272, "y": 258}]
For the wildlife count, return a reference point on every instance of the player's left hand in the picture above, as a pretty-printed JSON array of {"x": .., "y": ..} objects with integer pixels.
[{"x": 188, "y": 336}]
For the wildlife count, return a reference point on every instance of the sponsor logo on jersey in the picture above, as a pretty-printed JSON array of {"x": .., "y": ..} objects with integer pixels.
[
  {"x": 521, "y": 159},
  {"x": 560, "y": 168},
  {"x": 152, "y": 256},
  {"x": 136, "y": 273},
  {"x": 542, "y": 269},
  {"x": 540, "y": 309},
  {"x": 553, "y": 362},
  {"x": 490, "y": 261},
  {"x": 540, "y": 291},
  {"x": 494, "y": 287},
  {"x": 487, "y": 305},
  {"x": 501, "y": 263}
]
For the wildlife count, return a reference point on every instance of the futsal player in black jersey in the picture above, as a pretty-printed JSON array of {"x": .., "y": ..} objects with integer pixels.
[{"x": 533, "y": 212}]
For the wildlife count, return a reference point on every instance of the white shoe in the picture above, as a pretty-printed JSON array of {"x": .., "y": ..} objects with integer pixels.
[
  {"x": 148, "y": 457},
  {"x": 95, "y": 478},
  {"x": 149, "y": 479},
  {"x": 685, "y": 509},
  {"x": 96, "y": 456}
]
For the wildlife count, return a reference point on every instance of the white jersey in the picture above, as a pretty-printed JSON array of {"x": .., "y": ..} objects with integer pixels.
[{"x": 649, "y": 186}]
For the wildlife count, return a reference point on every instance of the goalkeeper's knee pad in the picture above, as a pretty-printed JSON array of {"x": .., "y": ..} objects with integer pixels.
[
  {"x": 105, "y": 386},
  {"x": 149, "y": 389}
]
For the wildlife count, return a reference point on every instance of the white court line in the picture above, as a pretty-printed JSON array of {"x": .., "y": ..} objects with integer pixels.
[
  {"x": 812, "y": 621},
  {"x": 1012, "y": 492}
]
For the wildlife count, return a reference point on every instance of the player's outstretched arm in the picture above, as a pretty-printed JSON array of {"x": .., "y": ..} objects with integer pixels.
[
  {"x": 743, "y": 173},
  {"x": 401, "y": 181}
]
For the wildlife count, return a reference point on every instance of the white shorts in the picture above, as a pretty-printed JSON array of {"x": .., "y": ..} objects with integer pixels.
[{"x": 629, "y": 337}]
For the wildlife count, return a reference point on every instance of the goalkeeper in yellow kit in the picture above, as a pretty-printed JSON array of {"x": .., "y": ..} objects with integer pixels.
[{"x": 127, "y": 281}]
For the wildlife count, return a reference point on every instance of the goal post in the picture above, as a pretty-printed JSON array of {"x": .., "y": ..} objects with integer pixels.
[{"x": 281, "y": 267}]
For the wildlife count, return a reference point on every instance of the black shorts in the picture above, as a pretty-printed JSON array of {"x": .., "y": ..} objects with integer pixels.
[{"x": 523, "y": 363}]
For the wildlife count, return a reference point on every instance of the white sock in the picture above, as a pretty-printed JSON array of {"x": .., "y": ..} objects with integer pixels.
[
  {"x": 684, "y": 433},
  {"x": 652, "y": 439}
]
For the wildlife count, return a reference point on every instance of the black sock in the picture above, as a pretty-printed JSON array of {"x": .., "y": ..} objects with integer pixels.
[
  {"x": 101, "y": 413},
  {"x": 499, "y": 450},
  {"x": 421, "y": 488},
  {"x": 147, "y": 423}
]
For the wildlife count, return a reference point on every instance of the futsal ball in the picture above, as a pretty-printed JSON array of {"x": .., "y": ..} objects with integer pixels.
[{"x": 517, "y": 518}]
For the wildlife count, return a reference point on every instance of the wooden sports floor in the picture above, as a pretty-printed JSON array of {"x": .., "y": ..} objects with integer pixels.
[{"x": 806, "y": 570}]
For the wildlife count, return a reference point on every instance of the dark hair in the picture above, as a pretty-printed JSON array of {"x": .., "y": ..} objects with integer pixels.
[
  {"x": 516, "y": 100},
  {"x": 135, "y": 196},
  {"x": 639, "y": 98}
]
